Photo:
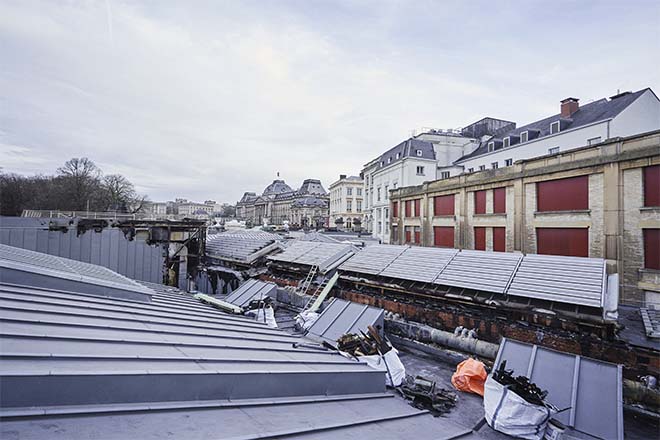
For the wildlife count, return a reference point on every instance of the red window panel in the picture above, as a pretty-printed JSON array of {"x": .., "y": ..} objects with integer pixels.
[
  {"x": 652, "y": 249},
  {"x": 563, "y": 194},
  {"x": 480, "y": 202},
  {"x": 563, "y": 241},
  {"x": 652, "y": 185},
  {"x": 499, "y": 239},
  {"x": 418, "y": 211},
  {"x": 480, "y": 238},
  {"x": 443, "y": 236},
  {"x": 418, "y": 235},
  {"x": 499, "y": 200},
  {"x": 443, "y": 205},
  {"x": 395, "y": 209},
  {"x": 408, "y": 208},
  {"x": 408, "y": 237}
]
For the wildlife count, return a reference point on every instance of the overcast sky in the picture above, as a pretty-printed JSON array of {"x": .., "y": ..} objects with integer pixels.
[{"x": 210, "y": 99}]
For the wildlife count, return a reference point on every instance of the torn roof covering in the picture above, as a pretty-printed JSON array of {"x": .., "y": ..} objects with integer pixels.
[
  {"x": 117, "y": 368},
  {"x": 572, "y": 280},
  {"x": 591, "y": 389},
  {"x": 241, "y": 246},
  {"x": 314, "y": 253},
  {"x": 341, "y": 317}
]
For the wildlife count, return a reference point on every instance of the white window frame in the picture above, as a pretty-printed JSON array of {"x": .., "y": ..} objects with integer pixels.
[
  {"x": 594, "y": 141},
  {"x": 494, "y": 165},
  {"x": 419, "y": 153},
  {"x": 482, "y": 167},
  {"x": 444, "y": 174},
  {"x": 506, "y": 142},
  {"x": 470, "y": 170},
  {"x": 508, "y": 162},
  {"x": 553, "y": 150},
  {"x": 398, "y": 155},
  {"x": 389, "y": 160},
  {"x": 420, "y": 170},
  {"x": 524, "y": 136},
  {"x": 555, "y": 124},
  {"x": 491, "y": 146}
]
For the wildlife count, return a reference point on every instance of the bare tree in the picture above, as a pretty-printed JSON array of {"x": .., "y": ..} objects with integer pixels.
[{"x": 80, "y": 181}]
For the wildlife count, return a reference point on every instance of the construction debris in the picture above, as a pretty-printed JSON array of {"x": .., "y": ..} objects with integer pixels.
[
  {"x": 520, "y": 385},
  {"x": 423, "y": 394}
]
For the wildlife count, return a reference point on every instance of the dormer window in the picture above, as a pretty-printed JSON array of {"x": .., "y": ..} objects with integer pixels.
[
  {"x": 554, "y": 127},
  {"x": 524, "y": 136},
  {"x": 419, "y": 153},
  {"x": 389, "y": 160},
  {"x": 491, "y": 146},
  {"x": 382, "y": 163},
  {"x": 398, "y": 155},
  {"x": 506, "y": 141}
]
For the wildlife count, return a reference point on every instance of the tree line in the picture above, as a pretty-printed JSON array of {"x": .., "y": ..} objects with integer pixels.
[{"x": 78, "y": 185}]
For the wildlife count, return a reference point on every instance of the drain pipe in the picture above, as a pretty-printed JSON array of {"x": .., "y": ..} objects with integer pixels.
[{"x": 424, "y": 333}]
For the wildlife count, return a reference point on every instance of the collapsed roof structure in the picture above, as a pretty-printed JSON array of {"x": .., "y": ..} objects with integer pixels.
[{"x": 121, "y": 368}]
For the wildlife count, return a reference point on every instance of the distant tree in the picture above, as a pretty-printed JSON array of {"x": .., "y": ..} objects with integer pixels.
[
  {"x": 79, "y": 181},
  {"x": 228, "y": 210}
]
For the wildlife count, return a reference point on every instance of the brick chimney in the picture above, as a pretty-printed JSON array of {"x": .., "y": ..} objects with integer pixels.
[{"x": 569, "y": 106}]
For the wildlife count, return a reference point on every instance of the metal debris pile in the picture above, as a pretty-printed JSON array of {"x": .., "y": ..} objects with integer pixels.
[
  {"x": 364, "y": 344},
  {"x": 520, "y": 385},
  {"x": 423, "y": 394}
]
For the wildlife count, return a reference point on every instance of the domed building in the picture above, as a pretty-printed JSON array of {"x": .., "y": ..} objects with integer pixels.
[{"x": 279, "y": 203}]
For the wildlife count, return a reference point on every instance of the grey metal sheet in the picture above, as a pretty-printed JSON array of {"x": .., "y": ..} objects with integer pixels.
[
  {"x": 593, "y": 389},
  {"x": 419, "y": 264},
  {"x": 22, "y": 266},
  {"x": 324, "y": 255},
  {"x": 572, "y": 280},
  {"x": 110, "y": 247},
  {"x": 373, "y": 259},
  {"x": 241, "y": 245},
  {"x": 480, "y": 270},
  {"x": 341, "y": 317},
  {"x": 251, "y": 290}
]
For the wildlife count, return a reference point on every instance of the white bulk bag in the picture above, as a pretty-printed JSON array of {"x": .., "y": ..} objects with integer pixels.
[
  {"x": 509, "y": 413},
  {"x": 395, "y": 372}
]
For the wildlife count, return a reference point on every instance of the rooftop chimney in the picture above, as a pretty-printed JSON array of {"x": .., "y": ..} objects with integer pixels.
[
  {"x": 342, "y": 176},
  {"x": 569, "y": 106}
]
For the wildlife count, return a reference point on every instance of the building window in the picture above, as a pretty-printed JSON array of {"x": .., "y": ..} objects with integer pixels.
[
  {"x": 408, "y": 231},
  {"x": 553, "y": 150},
  {"x": 482, "y": 167},
  {"x": 652, "y": 186},
  {"x": 494, "y": 165},
  {"x": 389, "y": 160},
  {"x": 408, "y": 208},
  {"x": 394, "y": 185},
  {"x": 568, "y": 194},
  {"x": 395, "y": 209},
  {"x": 419, "y": 153},
  {"x": 554, "y": 127},
  {"x": 652, "y": 249},
  {"x": 470, "y": 170},
  {"x": 395, "y": 233},
  {"x": 387, "y": 192},
  {"x": 499, "y": 200},
  {"x": 444, "y": 175},
  {"x": 417, "y": 205},
  {"x": 380, "y": 227},
  {"x": 480, "y": 202},
  {"x": 418, "y": 235},
  {"x": 506, "y": 142},
  {"x": 499, "y": 239},
  {"x": 358, "y": 205},
  {"x": 398, "y": 155},
  {"x": 443, "y": 205},
  {"x": 443, "y": 236},
  {"x": 349, "y": 206},
  {"x": 508, "y": 162},
  {"x": 420, "y": 171},
  {"x": 491, "y": 146},
  {"x": 593, "y": 141},
  {"x": 378, "y": 194},
  {"x": 480, "y": 238},
  {"x": 382, "y": 163},
  {"x": 573, "y": 242},
  {"x": 524, "y": 136}
]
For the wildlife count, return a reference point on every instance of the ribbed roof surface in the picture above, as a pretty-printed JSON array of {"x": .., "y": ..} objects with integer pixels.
[
  {"x": 250, "y": 290},
  {"x": 573, "y": 280},
  {"x": 324, "y": 255},
  {"x": 341, "y": 317},
  {"x": 241, "y": 245}
]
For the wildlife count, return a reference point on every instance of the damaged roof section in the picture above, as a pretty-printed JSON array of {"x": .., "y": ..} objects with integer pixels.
[
  {"x": 326, "y": 256},
  {"x": 570, "y": 280},
  {"x": 341, "y": 317},
  {"x": 251, "y": 290},
  {"x": 242, "y": 246}
]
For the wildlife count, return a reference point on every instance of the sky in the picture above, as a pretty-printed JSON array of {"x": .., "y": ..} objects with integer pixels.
[{"x": 209, "y": 99}]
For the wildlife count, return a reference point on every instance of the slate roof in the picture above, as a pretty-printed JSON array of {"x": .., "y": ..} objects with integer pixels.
[
  {"x": 277, "y": 187},
  {"x": 312, "y": 187},
  {"x": 407, "y": 148},
  {"x": 596, "y": 111},
  {"x": 310, "y": 202},
  {"x": 241, "y": 245}
]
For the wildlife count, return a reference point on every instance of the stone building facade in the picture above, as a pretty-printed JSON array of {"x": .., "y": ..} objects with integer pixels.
[
  {"x": 346, "y": 203},
  {"x": 279, "y": 204},
  {"x": 596, "y": 201}
]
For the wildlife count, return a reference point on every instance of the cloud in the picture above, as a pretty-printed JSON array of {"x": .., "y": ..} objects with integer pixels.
[{"x": 207, "y": 100}]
